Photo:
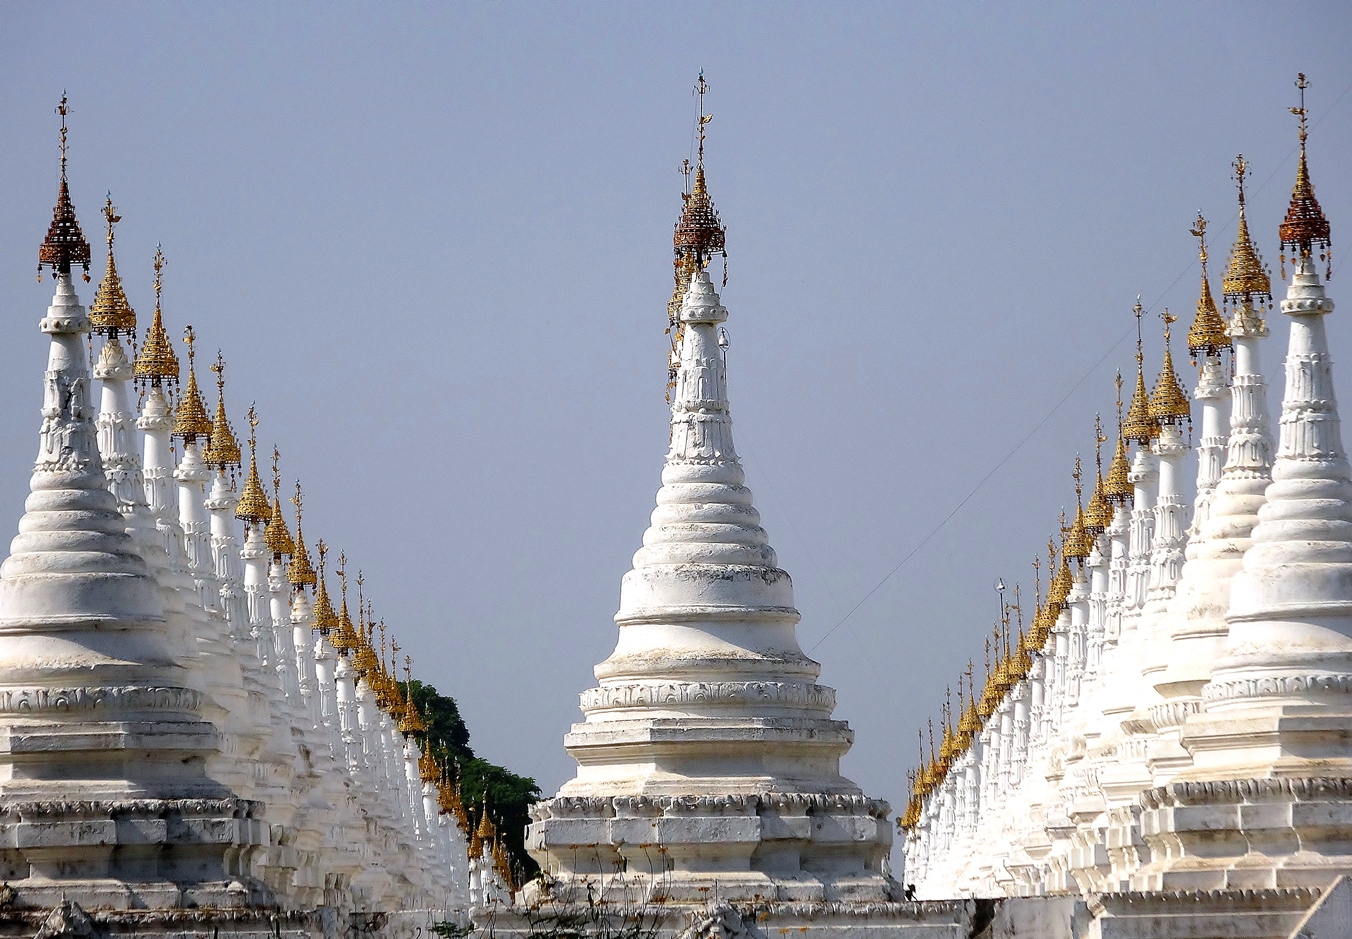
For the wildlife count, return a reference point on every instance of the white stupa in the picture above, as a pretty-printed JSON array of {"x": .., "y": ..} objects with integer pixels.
[{"x": 708, "y": 759}]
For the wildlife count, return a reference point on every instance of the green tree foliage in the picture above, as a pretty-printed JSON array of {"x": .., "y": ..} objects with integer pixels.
[{"x": 507, "y": 795}]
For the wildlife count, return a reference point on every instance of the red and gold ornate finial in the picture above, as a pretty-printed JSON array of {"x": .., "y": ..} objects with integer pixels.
[
  {"x": 1140, "y": 427},
  {"x": 276, "y": 536},
  {"x": 1208, "y": 335},
  {"x": 157, "y": 363},
  {"x": 190, "y": 417},
  {"x": 1246, "y": 279},
  {"x": 1169, "y": 403},
  {"x": 1305, "y": 226},
  {"x": 111, "y": 313},
  {"x": 253, "y": 508},
  {"x": 65, "y": 243},
  {"x": 222, "y": 449}
]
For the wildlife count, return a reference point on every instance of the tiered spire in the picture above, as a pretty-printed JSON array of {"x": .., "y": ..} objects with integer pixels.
[
  {"x": 325, "y": 619},
  {"x": 157, "y": 363},
  {"x": 300, "y": 573},
  {"x": 1140, "y": 427},
  {"x": 1099, "y": 515},
  {"x": 190, "y": 418},
  {"x": 1169, "y": 404},
  {"x": 276, "y": 536},
  {"x": 699, "y": 234},
  {"x": 222, "y": 449},
  {"x": 65, "y": 244},
  {"x": 345, "y": 638},
  {"x": 253, "y": 506},
  {"x": 1305, "y": 227},
  {"x": 1246, "y": 279},
  {"x": 1208, "y": 335},
  {"x": 111, "y": 313},
  {"x": 1117, "y": 488}
]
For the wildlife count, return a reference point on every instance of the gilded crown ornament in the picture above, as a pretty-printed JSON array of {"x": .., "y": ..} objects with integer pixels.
[
  {"x": 157, "y": 363},
  {"x": 1207, "y": 335},
  {"x": 300, "y": 573},
  {"x": 1305, "y": 228},
  {"x": 1117, "y": 488},
  {"x": 65, "y": 244},
  {"x": 253, "y": 508},
  {"x": 326, "y": 621},
  {"x": 1169, "y": 403},
  {"x": 111, "y": 313},
  {"x": 276, "y": 536},
  {"x": 1140, "y": 426},
  {"x": 222, "y": 449},
  {"x": 1246, "y": 280},
  {"x": 190, "y": 417}
]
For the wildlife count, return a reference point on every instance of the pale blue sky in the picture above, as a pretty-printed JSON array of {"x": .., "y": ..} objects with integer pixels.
[{"x": 434, "y": 244}]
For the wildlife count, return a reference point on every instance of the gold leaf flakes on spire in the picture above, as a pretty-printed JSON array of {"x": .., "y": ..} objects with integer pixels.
[
  {"x": 1305, "y": 225},
  {"x": 111, "y": 313},
  {"x": 157, "y": 362},
  {"x": 253, "y": 501},
  {"x": 325, "y": 619},
  {"x": 65, "y": 243},
  {"x": 300, "y": 573},
  {"x": 1140, "y": 425},
  {"x": 222, "y": 449},
  {"x": 276, "y": 536},
  {"x": 1246, "y": 279},
  {"x": 1208, "y": 335},
  {"x": 190, "y": 417}
]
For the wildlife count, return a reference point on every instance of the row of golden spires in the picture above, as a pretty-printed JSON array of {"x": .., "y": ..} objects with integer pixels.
[
  {"x": 157, "y": 365},
  {"x": 1246, "y": 289}
]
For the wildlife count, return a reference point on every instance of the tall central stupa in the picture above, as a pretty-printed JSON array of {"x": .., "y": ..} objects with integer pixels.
[{"x": 708, "y": 760}]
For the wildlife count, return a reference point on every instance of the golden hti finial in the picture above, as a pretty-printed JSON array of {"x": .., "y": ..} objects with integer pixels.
[
  {"x": 1246, "y": 282},
  {"x": 1079, "y": 542},
  {"x": 111, "y": 313},
  {"x": 157, "y": 363},
  {"x": 253, "y": 508},
  {"x": 1169, "y": 404},
  {"x": 222, "y": 449},
  {"x": 326, "y": 621},
  {"x": 65, "y": 243},
  {"x": 410, "y": 722},
  {"x": 1118, "y": 489},
  {"x": 1099, "y": 514},
  {"x": 1140, "y": 426},
  {"x": 276, "y": 536},
  {"x": 970, "y": 724},
  {"x": 1208, "y": 335},
  {"x": 699, "y": 235},
  {"x": 1305, "y": 226},
  {"x": 300, "y": 573},
  {"x": 345, "y": 636},
  {"x": 190, "y": 417}
]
